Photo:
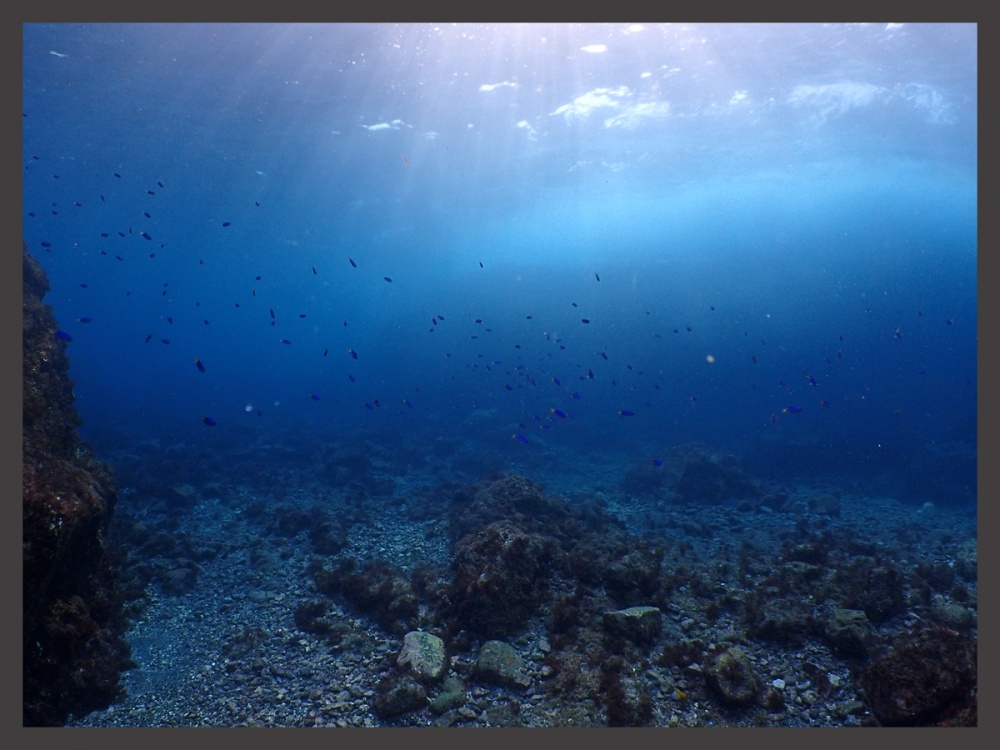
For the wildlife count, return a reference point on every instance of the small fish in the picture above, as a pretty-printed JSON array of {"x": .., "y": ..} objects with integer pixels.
[
  {"x": 950, "y": 322},
  {"x": 164, "y": 341},
  {"x": 170, "y": 320},
  {"x": 353, "y": 353},
  {"x": 753, "y": 358},
  {"x": 117, "y": 175},
  {"x": 353, "y": 264},
  {"x": 519, "y": 437},
  {"x": 351, "y": 378},
  {"x": 271, "y": 310},
  {"x": 302, "y": 315},
  {"x": 479, "y": 320},
  {"x": 151, "y": 192},
  {"x": 149, "y": 338},
  {"x": 160, "y": 183},
  {"x": 405, "y": 160},
  {"x": 791, "y": 410},
  {"x": 584, "y": 320},
  {"x": 369, "y": 406},
  {"x": 227, "y": 223},
  {"x": 556, "y": 382},
  {"x": 63, "y": 335},
  {"x": 898, "y": 334},
  {"x": 558, "y": 412},
  {"x": 210, "y": 421},
  {"x": 626, "y": 413},
  {"x": 314, "y": 397},
  {"x": 146, "y": 214},
  {"x": 387, "y": 278},
  {"x": 85, "y": 320},
  {"x": 824, "y": 403},
  {"x": 285, "y": 341},
  {"x": 198, "y": 363},
  {"x": 145, "y": 235},
  {"x": 407, "y": 402},
  {"x": 326, "y": 351},
  {"x": 480, "y": 264},
  {"x": 314, "y": 270},
  {"x": 597, "y": 276},
  {"x": 657, "y": 462}
]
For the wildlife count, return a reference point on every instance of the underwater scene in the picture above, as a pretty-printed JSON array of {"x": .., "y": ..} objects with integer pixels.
[{"x": 494, "y": 375}]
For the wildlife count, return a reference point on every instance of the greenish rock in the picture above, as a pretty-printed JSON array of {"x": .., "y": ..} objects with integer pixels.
[
  {"x": 500, "y": 664},
  {"x": 451, "y": 696},
  {"x": 848, "y": 632},
  {"x": 397, "y": 694},
  {"x": 732, "y": 677},
  {"x": 637, "y": 624},
  {"x": 951, "y": 614},
  {"x": 423, "y": 655}
]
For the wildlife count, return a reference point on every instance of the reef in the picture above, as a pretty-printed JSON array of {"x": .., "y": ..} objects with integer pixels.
[{"x": 73, "y": 620}]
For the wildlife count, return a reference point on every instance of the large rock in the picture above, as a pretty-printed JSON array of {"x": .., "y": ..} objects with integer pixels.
[
  {"x": 500, "y": 664},
  {"x": 732, "y": 677},
  {"x": 423, "y": 655},
  {"x": 73, "y": 618},
  {"x": 641, "y": 625}
]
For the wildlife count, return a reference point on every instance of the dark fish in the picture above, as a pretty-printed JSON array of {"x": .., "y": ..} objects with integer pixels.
[
  {"x": 584, "y": 320},
  {"x": 45, "y": 244},
  {"x": 556, "y": 381},
  {"x": 407, "y": 402},
  {"x": 574, "y": 304},
  {"x": 558, "y": 412},
  {"x": 369, "y": 406},
  {"x": 271, "y": 310},
  {"x": 387, "y": 279},
  {"x": 626, "y": 413},
  {"x": 256, "y": 278},
  {"x": 791, "y": 410},
  {"x": 159, "y": 183},
  {"x": 146, "y": 214},
  {"x": 314, "y": 397},
  {"x": 590, "y": 373},
  {"x": 117, "y": 175},
  {"x": 170, "y": 320},
  {"x": 353, "y": 264},
  {"x": 518, "y": 436},
  {"x": 164, "y": 341},
  {"x": 210, "y": 421},
  {"x": 227, "y": 223},
  {"x": 440, "y": 317},
  {"x": 479, "y": 320},
  {"x": 597, "y": 276},
  {"x": 206, "y": 322},
  {"x": 377, "y": 404},
  {"x": 302, "y": 315},
  {"x": 105, "y": 234},
  {"x": 314, "y": 270},
  {"x": 351, "y": 378},
  {"x": 145, "y": 235},
  {"x": 352, "y": 353},
  {"x": 149, "y": 338},
  {"x": 151, "y": 192},
  {"x": 603, "y": 354},
  {"x": 508, "y": 386},
  {"x": 950, "y": 322},
  {"x": 83, "y": 286},
  {"x": 480, "y": 264},
  {"x": 63, "y": 335},
  {"x": 576, "y": 394},
  {"x": 85, "y": 320},
  {"x": 326, "y": 351},
  {"x": 824, "y": 403},
  {"x": 285, "y": 341},
  {"x": 753, "y": 358},
  {"x": 199, "y": 365}
]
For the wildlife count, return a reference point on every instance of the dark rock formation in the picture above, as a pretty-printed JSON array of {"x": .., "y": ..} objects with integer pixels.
[{"x": 74, "y": 620}]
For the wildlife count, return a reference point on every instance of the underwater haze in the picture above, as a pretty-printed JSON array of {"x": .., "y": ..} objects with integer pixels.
[
  {"x": 770, "y": 231},
  {"x": 627, "y": 370}
]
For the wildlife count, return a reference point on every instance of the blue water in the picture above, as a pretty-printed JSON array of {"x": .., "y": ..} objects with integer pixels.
[{"x": 782, "y": 219}]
